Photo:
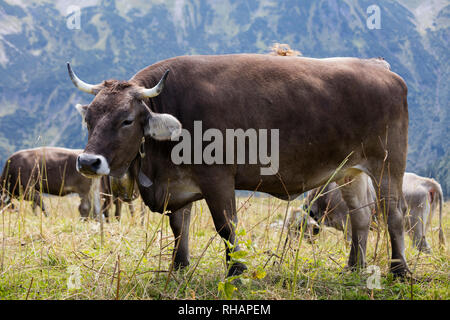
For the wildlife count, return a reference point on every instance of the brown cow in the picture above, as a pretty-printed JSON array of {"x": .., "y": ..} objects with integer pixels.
[
  {"x": 49, "y": 170},
  {"x": 326, "y": 111}
]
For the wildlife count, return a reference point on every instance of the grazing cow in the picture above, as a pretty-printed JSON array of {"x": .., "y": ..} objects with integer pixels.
[
  {"x": 49, "y": 170},
  {"x": 331, "y": 210},
  {"x": 422, "y": 196},
  {"x": 116, "y": 191},
  {"x": 327, "y": 112},
  {"x": 297, "y": 218}
]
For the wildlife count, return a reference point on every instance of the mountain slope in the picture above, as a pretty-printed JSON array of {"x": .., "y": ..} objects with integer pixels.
[{"x": 117, "y": 39}]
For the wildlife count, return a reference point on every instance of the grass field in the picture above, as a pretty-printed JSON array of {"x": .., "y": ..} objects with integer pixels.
[{"x": 61, "y": 257}]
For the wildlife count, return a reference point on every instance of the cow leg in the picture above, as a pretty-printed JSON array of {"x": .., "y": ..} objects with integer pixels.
[
  {"x": 106, "y": 206},
  {"x": 425, "y": 247},
  {"x": 355, "y": 196},
  {"x": 34, "y": 200},
  {"x": 179, "y": 223},
  {"x": 5, "y": 200},
  {"x": 38, "y": 201},
  {"x": 344, "y": 224},
  {"x": 390, "y": 203},
  {"x": 118, "y": 204},
  {"x": 348, "y": 232},
  {"x": 417, "y": 221},
  {"x": 12, "y": 207},
  {"x": 143, "y": 211},
  {"x": 131, "y": 207},
  {"x": 222, "y": 204},
  {"x": 85, "y": 207}
]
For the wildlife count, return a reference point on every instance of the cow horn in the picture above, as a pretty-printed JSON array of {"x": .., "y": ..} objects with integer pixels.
[
  {"x": 156, "y": 90},
  {"x": 80, "y": 84}
]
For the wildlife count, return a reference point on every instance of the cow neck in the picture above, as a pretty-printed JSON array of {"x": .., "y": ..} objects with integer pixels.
[
  {"x": 142, "y": 178},
  {"x": 152, "y": 104}
]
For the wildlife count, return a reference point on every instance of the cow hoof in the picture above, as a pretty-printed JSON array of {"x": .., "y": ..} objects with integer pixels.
[
  {"x": 399, "y": 270},
  {"x": 236, "y": 269},
  {"x": 426, "y": 250},
  {"x": 353, "y": 268},
  {"x": 180, "y": 265},
  {"x": 346, "y": 270}
]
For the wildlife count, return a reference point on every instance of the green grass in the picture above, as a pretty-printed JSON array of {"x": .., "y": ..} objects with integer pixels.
[{"x": 38, "y": 256}]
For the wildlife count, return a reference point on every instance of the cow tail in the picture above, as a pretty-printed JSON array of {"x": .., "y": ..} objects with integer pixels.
[
  {"x": 441, "y": 232},
  {"x": 3, "y": 179},
  {"x": 4, "y": 186}
]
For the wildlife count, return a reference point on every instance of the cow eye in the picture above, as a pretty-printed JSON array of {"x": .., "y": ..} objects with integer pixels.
[{"x": 126, "y": 123}]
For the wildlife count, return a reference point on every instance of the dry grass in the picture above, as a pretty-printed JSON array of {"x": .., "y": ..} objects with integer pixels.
[{"x": 39, "y": 255}]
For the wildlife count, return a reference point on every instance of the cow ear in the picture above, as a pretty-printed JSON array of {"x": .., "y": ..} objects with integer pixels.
[
  {"x": 81, "y": 109},
  {"x": 162, "y": 126}
]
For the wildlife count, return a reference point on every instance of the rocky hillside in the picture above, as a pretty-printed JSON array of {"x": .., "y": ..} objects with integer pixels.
[{"x": 117, "y": 38}]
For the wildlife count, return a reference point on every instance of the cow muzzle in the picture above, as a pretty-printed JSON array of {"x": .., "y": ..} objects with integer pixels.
[{"x": 92, "y": 165}]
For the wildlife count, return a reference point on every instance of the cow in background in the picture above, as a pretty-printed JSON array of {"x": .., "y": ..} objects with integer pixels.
[
  {"x": 423, "y": 195},
  {"x": 297, "y": 218},
  {"x": 330, "y": 209},
  {"x": 50, "y": 170}
]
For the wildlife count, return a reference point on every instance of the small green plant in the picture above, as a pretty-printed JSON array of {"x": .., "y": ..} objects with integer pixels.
[{"x": 230, "y": 286}]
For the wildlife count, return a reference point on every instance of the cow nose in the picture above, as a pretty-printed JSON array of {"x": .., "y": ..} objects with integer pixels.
[
  {"x": 92, "y": 164},
  {"x": 316, "y": 230}
]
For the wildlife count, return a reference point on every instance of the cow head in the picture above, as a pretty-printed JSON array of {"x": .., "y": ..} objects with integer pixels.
[
  {"x": 117, "y": 119},
  {"x": 298, "y": 219},
  {"x": 313, "y": 210},
  {"x": 4, "y": 199}
]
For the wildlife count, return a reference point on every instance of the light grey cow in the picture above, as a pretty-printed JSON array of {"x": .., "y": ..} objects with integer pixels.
[
  {"x": 328, "y": 207},
  {"x": 422, "y": 197}
]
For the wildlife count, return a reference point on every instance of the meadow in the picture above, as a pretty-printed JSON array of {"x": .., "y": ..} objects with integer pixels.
[{"x": 62, "y": 257}]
